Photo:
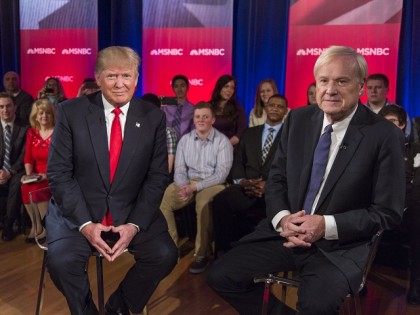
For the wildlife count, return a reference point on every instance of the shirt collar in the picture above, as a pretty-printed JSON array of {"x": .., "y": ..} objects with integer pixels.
[
  {"x": 108, "y": 107},
  {"x": 10, "y": 123},
  {"x": 210, "y": 136},
  {"x": 276, "y": 127},
  {"x": 339, "y": 125}
]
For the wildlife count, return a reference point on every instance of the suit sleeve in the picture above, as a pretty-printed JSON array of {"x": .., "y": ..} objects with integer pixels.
[
  {"x": 239, "y": 160},
  {"x": 65, "y": 189},
  {"x": 276, "y": 196},
  {"x": 17, "y": 166},
  {"x": 157, "y": 178},
  {"x": 388, "y": 194}
]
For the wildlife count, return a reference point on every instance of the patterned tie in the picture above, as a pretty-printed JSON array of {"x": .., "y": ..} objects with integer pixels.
[
  {"x": 7, "y": 147},
  {"x": 115, "y": 145},
  {"x": 176, "y": 124},
  {"x": 267, "y": 144},
  {"x": 318, "y": 168}
]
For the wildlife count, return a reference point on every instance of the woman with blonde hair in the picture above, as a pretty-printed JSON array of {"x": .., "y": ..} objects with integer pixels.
[
  {"x": 38, "y": 140},
  {"x": 266, "y": 88}
]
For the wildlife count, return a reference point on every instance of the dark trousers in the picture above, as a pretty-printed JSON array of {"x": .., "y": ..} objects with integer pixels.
[
  {"x": 322, "y": 289},
  {"x": 235, "y": 215},
  {"x": 411, "y": 222},
  {"x": 11, "y": 200},
  {"x": 154, "y": 259}
]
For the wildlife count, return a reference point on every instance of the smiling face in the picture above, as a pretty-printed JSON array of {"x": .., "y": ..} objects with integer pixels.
[
  {"x": 266, "y": 91},
  {"x": 203, "y": 120},
  {"x": 7, "y": 109},
  {"x": 338, "y": 88},
  {"x": 227, "y": 90},
  {"x": 117, "y": 83},
  {"x": 44, "y": 118}
]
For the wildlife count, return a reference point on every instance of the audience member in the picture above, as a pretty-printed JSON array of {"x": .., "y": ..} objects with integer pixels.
[
  {"x": 38, "y": 139},
  {"x": 53, "y": 90},
  {"x": 238, "y": 208},
  {"x": 203, "y": 161},
  {"x": 266, "y": 89},
  {"x": 171, "y": 137},
  {"x": 377, "y": 87},
  {"x": 88, "y": 86},
  {"x": 12, "y": 141},
  {"x": 21, "y": 99},
  {"x": 311, "y": 94},
  {"x": 411, "y": 217},
  {"x": 336, "y": 179},
  {"x": 179, "y": 115},
  {"x": 107, "y": 170},
  {"x": 230, "y": 116}
]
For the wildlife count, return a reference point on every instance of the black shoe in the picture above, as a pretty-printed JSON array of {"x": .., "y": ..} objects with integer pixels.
[
  {"x": 413, "y": 295},
  {"x": 199, "y": 265},
  {"x": 7, "y": 235},
  {"x": 116, "y": 305}
]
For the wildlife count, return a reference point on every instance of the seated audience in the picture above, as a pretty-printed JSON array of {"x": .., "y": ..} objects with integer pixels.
[
  {"x": 311, "y": 94},
  {"x": 88, "y": 86},
  {"x": 171, "y": 137},
  {"x": 336, "y": 179},
  {"x": 12, "y": 141},
  {"x": 230, "y": 116},
  {"x": 21, "y": 99},
  {"x": 238, "y": 208},
  {"x": 377, "y": 87},
  {"x": 411, "y": 217},
  {"x": 179, "y": 114},
  {"x": 38, "y": 140},
  {"x": 203, "y": 161},
  {"x": 53, "y": 90},
  {"x": 265, "y": 90}
]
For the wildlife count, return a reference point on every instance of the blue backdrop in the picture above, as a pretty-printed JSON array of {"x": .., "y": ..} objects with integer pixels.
[{"x": 259, "y": 43}]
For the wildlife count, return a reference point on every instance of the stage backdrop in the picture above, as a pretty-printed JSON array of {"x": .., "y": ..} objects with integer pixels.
[
  {"x": 370, "y": 26},
  {"x": 187, "y": 37},
  {"x": 60, "y": 39}
]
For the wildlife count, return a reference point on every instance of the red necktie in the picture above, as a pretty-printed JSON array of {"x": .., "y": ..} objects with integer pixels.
[{"x": 115, "y": 145}]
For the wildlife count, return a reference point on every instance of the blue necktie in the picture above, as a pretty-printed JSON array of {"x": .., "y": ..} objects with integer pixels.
[
  {"x": 267, "y": 144},
  {"x": 318, "y": 168}
]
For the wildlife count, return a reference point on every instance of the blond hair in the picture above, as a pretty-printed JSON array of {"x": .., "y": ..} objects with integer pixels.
[
  {"x": 117, "y": 55},
  {"x": 42, "y": 104},
  {"x": 359, "y": 62}
]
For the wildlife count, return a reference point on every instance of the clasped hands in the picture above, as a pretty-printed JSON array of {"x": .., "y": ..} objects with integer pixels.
[
  {"x": 253, "y": 187},
  {"x": 301, "y": 229},
  {"x": 4, "y": 176},
  {"x": 93, "y": 231},
  {"x": 186, "y": 191}
]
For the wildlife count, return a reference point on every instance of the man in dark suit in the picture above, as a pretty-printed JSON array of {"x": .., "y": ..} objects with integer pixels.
[
  {"x": 12, "y": 141},
  {"x": 238, "y": 208},
  {"x": 22, "y": 100},
  {"x": 337, "y": 178},
  {"x": 108, "y": 170}
]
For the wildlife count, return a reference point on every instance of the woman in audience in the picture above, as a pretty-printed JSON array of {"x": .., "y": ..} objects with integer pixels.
[
  {"x": 265, "y": 90},
  {"x": 53, "y": 90},
  {"x": 38, "y": 139},
  {"x": 230, "y": 116},
  {"x": 310, "y": 94}
]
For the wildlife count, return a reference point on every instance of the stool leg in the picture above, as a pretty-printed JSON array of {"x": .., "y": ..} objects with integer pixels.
[
  {"x": 100, "y": 281},
  {"x": 41, "y": 285},
  {"x": 266, "y": 297}
]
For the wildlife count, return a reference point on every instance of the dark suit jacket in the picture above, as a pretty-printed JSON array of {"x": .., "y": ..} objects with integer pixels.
[
  {"x": 247, "y": 162},
  {"x": 18, "y": 147},
  {"x": 364, "y": 190},
  {"x": 78, "y": 166}
]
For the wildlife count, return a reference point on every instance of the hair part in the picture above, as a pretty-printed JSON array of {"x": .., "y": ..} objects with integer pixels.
[
  {"x": 42, "y": 104},
  {"x": 359, "y": 62},
  {"x": 117, "y": 55},
  {"x": 380, "y": 77},
  {"x": 202, "y": 104},
  {"x": 7, "y": 95}
]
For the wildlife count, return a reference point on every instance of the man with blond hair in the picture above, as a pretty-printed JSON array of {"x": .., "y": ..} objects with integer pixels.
[
  {"x": 108, "y": 170},
  {"x": 337, "y": 178}
]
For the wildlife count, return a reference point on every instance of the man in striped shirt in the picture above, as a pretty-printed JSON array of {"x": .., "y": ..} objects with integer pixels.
[{"x": 203, "y": 160}]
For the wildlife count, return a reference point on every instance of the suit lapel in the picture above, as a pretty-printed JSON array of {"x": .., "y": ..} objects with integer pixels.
[
  {"x": 350, "y": 144},
  {"x": 97, "y": 130},
  {"x": 2, "y": 145},
  {"x": 312, "y": 130},
  {"x": 134, "y": 126}
]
